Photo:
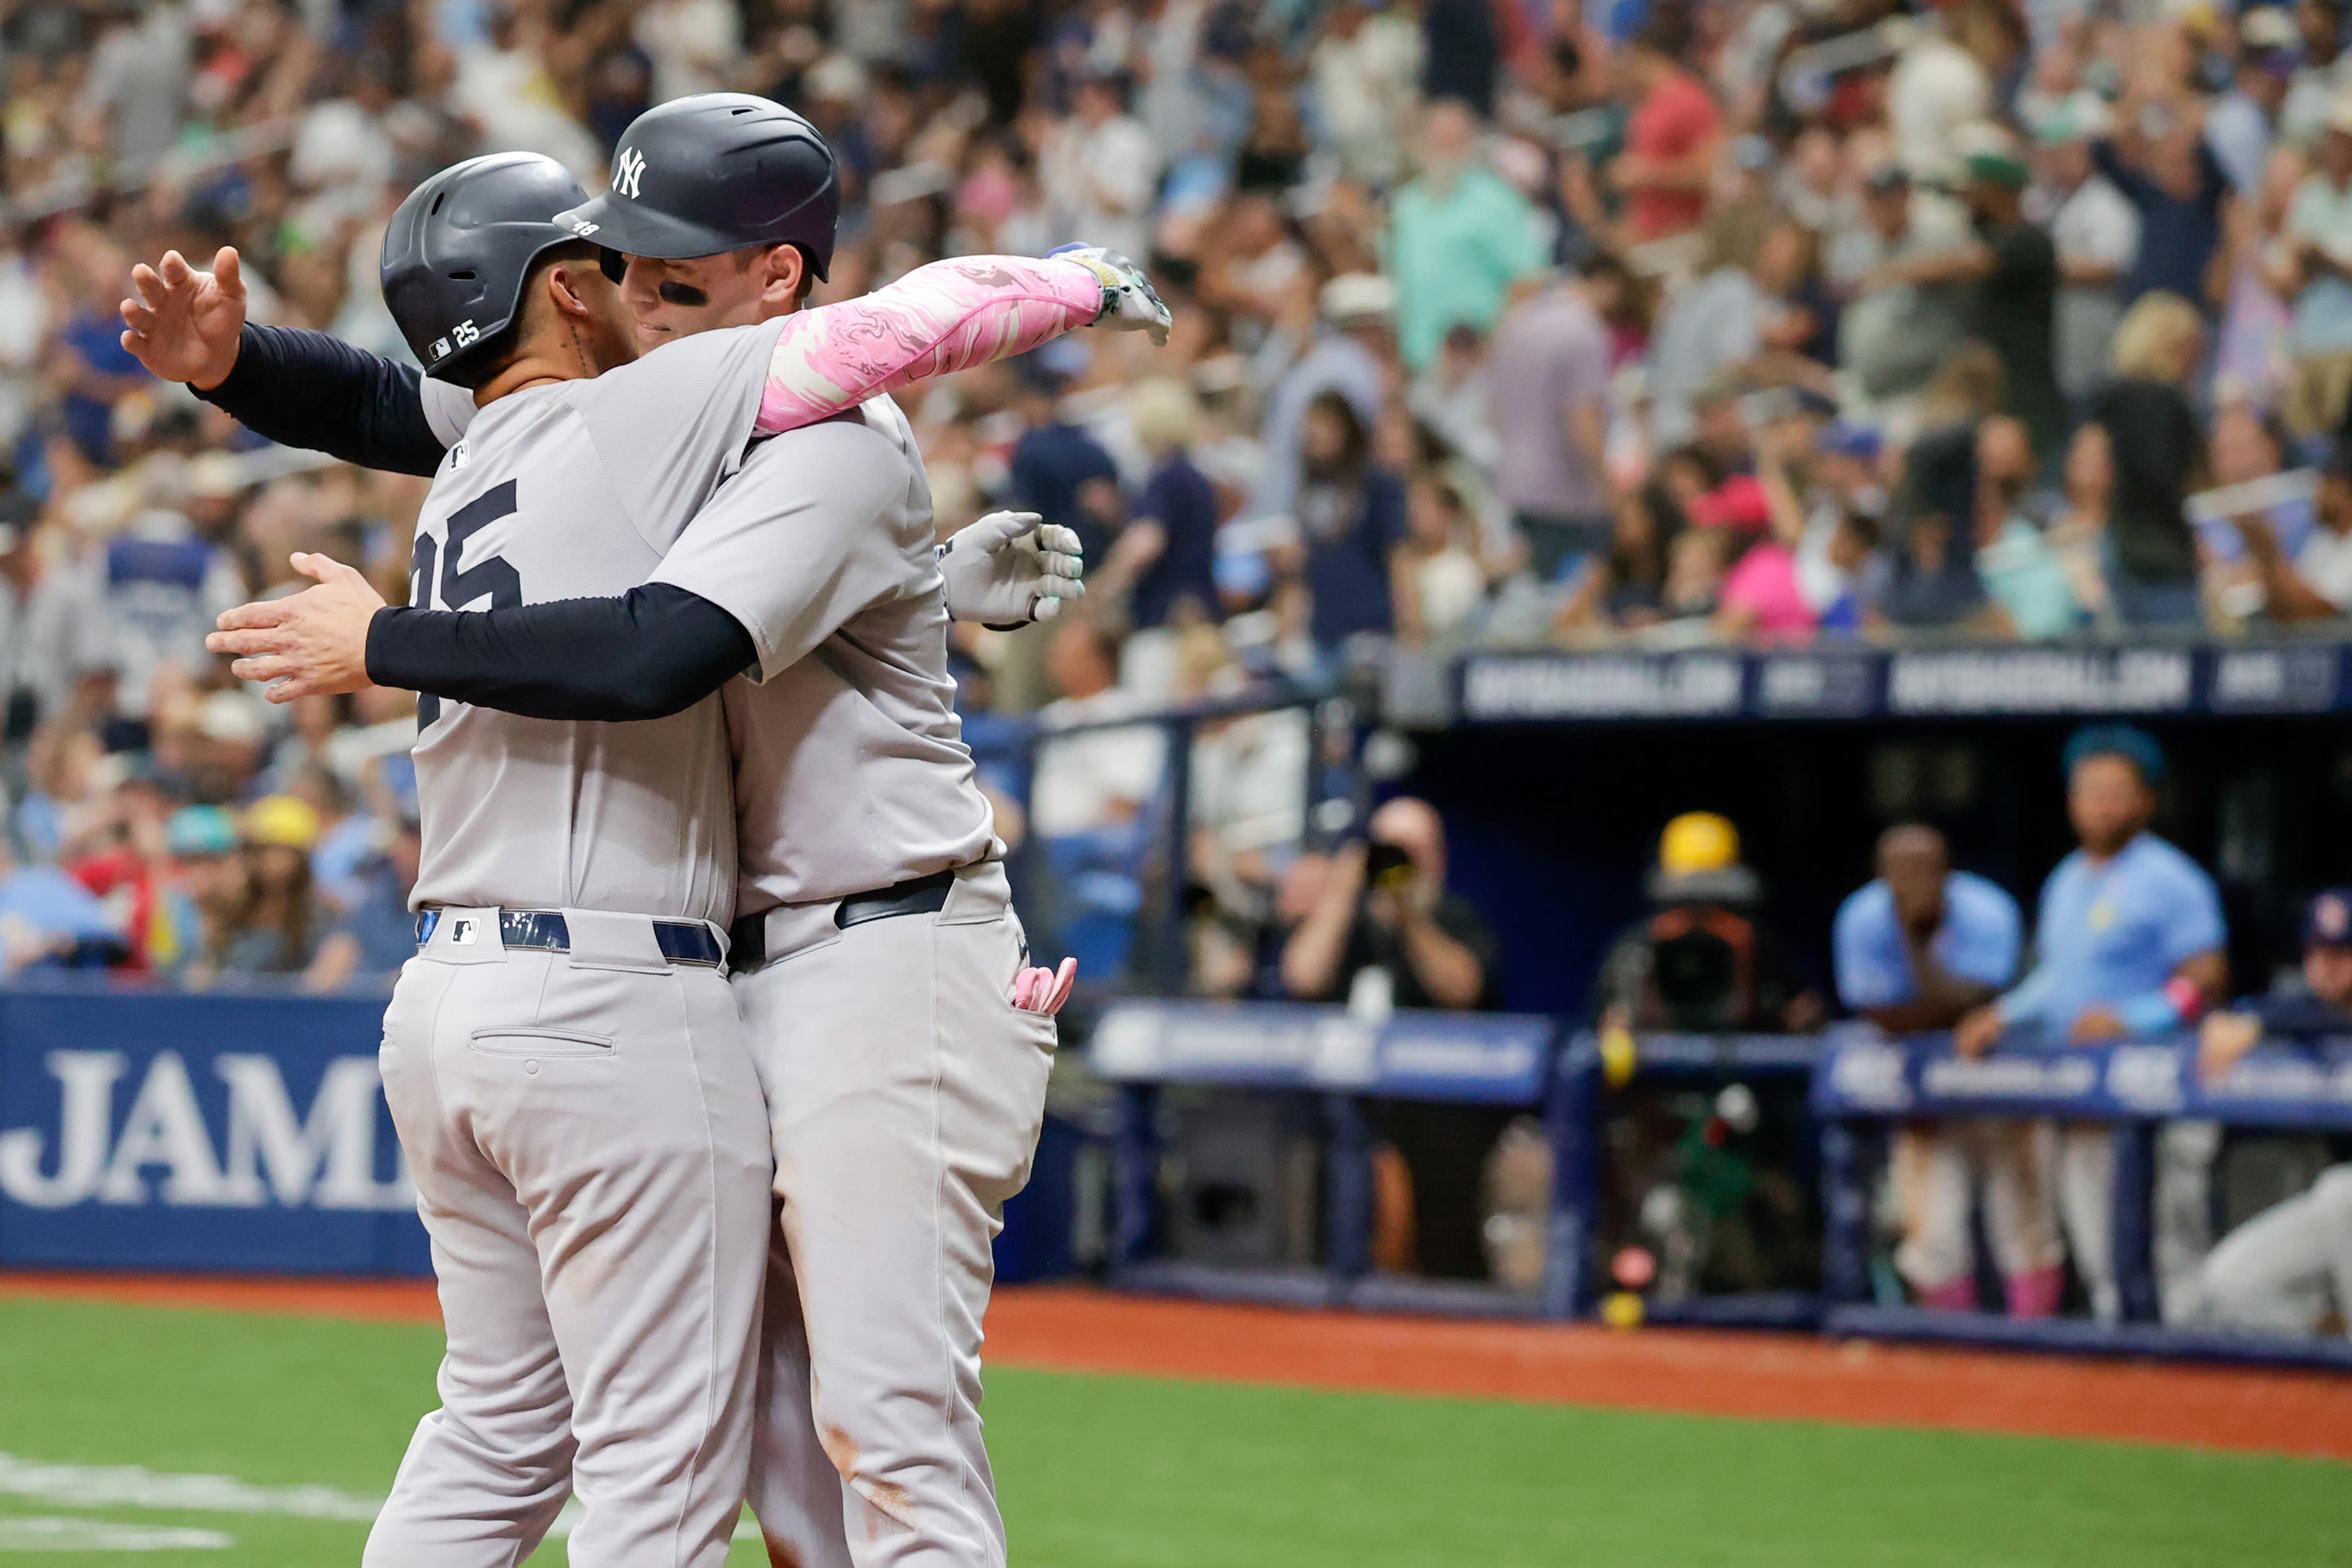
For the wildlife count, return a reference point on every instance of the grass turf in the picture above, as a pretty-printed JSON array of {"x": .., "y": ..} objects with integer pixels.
[{"x": 1115, "y": 1472}]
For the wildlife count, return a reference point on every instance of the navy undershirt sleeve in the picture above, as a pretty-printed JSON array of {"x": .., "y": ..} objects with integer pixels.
[
  {"x": 654, "y": 651},
  {"x": 306, "y": 389}
]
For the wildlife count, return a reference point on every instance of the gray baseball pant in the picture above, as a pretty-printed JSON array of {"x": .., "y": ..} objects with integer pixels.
[
  {"x": 906, "y": 1094},
  {"x": 591, "y": 1160},
  {"x": 2283, "y": 1271}
]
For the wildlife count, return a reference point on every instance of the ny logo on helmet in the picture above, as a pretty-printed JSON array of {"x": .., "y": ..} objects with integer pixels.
[{"x": 627, "y": 171}]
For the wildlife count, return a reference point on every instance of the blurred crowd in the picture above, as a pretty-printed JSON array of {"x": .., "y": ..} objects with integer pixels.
[{"x": 1498, "y": 322}]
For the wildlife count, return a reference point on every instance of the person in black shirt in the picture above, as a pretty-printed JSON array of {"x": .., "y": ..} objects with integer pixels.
[
  {"x": 2017, "y": 294},
  {"x": 2157, "y": 451},
  {"x": 1385, "y": 932}
]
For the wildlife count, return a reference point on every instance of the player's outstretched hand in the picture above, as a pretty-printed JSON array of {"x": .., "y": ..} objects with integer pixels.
[
  {"x": 309, "y": 643},
  {"x": 1130, "y": 304},
  {"x": 1007, "y": 570},
  {"x": 184, "y": 323}
]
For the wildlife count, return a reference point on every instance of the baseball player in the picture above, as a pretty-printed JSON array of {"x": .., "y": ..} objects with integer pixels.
[
  {"x": 2128, "y": 942},
  {"x": 905, "y": 1085},
  {"x": 2289, "y": 1268},
  {"x": 573, "y": 1283},
  {"x": 1917, "y": 949}
]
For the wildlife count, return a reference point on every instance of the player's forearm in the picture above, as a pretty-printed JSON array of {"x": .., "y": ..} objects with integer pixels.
[
  {"x": 654, "y": 651},
  {"x": 1941, "y": 989},
  {"x": 1310, "y": 960},
  {"x": 939, "y": 319},
  {"x": 2201, "y": 980},
  {"x": 1448, "y": 970},
  {"x": 2026, "y": 1003},
  {"x": 306, "y": 389}
]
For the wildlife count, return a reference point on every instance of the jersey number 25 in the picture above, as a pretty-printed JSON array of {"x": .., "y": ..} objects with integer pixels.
[{"x": 491, "y": 577}]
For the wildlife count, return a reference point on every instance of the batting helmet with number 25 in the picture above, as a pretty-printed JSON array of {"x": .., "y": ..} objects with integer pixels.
[{"x": 458, "y": 252}]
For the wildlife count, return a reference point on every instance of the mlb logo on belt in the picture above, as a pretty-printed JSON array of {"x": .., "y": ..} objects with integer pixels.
[{"x": 464, "y": 933}]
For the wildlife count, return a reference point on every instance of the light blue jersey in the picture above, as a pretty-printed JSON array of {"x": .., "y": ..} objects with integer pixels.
[
  {"x": 1977, "y": 940},
  {"x": 2113, "y": 933}
]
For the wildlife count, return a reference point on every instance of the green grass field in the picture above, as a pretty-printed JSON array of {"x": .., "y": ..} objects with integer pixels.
[{"x": 1112, "y": 1472}]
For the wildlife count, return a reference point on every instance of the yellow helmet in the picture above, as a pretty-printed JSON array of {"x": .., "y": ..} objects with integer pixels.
[
  {"x": 281, "y": 819},
  {"x": 1697, "y": 841}
]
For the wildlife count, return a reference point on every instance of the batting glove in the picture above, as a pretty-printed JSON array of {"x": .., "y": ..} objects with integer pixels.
[
  {"x": 1130, "y": 304},
  {"x": 1010, "y": 569}
]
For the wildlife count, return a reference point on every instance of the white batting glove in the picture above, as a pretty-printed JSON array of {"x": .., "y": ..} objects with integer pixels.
[
  {"x": 1130, "y": 304},
  {"x": 1011, "y": 568}
]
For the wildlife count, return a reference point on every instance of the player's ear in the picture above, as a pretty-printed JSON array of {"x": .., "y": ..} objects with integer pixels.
[
  {"x": 785, "y": 276},
  {"x": 564, "y": 287}
]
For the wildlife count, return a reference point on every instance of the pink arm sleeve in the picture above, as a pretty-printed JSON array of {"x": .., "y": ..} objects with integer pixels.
[{"x": 937, "y": 320}]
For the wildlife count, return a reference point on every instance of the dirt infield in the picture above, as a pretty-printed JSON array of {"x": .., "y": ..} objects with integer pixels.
[{"x": 1770, "y": 1377}]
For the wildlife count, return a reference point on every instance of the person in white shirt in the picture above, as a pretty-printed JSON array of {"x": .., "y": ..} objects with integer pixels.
[
  {"x": 2096, "y": 233},
  {"x": 1100, "y": 170},
  {"x": 1100, "y": 778},
  {"x": 2323, "y": 76},
  {"x": 2317, "y": 584},
  {"x": 694, "y": 44},
  {"x": 1367, "y": 72},
  {"x": 1937, "y": 88},
  {"x": 2312, "y": 267}
]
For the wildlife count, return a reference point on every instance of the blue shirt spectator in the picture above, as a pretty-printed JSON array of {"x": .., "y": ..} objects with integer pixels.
[
  {"x": 2111, "y": 933},
  {"x": 1183, "y": 503},
  {"x": 1347, "y": 567},
  {"x": 1061, "y": 472},
  {"x": 1352, "y": 516},
  {"x": 1171, "y": 541},
  {"x": 377, "y": 933},
  {"x": 1977, "y": 939},
  {"x": 2129, "y": 935},
  {"x": 101, "y": 373},
  {"x": 2181, "y": 221},
  {"x": 46, "y": 917}
]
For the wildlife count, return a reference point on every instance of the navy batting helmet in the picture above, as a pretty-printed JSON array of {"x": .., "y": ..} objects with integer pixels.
[
  {"x": 459, "y": 250},
  {"x": 717, "y": 172}
]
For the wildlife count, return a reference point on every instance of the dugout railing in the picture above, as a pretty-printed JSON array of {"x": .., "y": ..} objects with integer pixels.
[
  {"x": 1867, "y": 1083},
  {"x": 1858, "y": 1085}
]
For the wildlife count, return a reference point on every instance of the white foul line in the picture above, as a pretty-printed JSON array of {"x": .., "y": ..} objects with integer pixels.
[
  {"x": 128, "y": 1485},
  {"x": 44, "y": 1534}
]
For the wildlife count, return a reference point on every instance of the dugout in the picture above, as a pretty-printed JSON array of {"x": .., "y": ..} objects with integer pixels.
[{"x": 1555, "y": 773}]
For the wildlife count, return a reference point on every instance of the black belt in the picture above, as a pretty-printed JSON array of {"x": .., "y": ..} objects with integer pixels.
[
  {"x": 681, "y": 942},
  {"x": 748, "y": 938}
]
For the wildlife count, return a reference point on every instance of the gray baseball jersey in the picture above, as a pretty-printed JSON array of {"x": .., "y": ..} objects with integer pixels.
[
  {"x": 851, "y": 770},
  {"x": 565, "y": 491}
]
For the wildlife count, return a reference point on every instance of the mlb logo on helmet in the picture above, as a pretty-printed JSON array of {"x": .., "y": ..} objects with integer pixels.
[{"x": 627, "y": 170}]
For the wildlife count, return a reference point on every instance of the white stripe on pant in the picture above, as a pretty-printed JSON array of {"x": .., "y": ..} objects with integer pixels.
[{"x": 590, "y": 1161}]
